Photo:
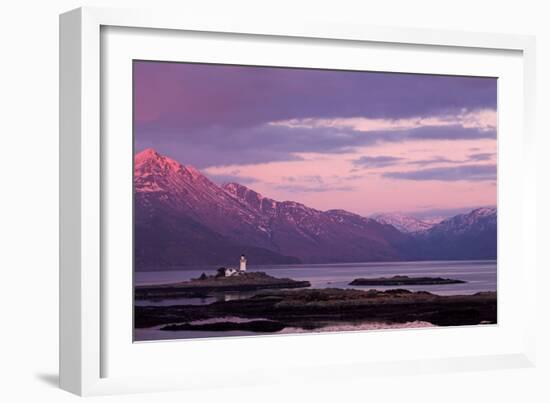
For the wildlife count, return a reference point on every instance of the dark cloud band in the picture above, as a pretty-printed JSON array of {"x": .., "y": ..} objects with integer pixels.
[
  {"x": 184, "y": 96},
  {"x": 449, "y": 174},
  {"x": 376, "y": 161},
  {"x": 218, "y": 146}
]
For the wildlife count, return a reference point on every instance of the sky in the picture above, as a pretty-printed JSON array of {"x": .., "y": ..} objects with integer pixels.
[{"x": 366, "y": 142}]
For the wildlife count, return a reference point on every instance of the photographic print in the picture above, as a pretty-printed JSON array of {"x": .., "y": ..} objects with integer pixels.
[{"x": 271, "y": 200}]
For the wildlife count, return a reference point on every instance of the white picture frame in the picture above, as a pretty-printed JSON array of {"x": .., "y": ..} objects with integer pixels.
[{"x": 86, "y": 311}]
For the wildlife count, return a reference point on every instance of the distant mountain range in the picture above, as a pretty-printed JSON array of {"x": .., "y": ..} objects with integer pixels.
[
  {"x": 465, "y": 236},
  {"x": 183, "y": 218},
  {"x": 403, "y": 222}
]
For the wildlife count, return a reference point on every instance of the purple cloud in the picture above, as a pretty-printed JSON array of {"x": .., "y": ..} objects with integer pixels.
[
  {"x": 454, "y": 132},
  {"x": 481, "y": 156},
  {"x": 443, "y": 160},
  {"x": 216, "y": 146},
  {"x": 448, "y": 174},
  {"x": 434, "y": 160},
  {"x": 376, "y": 161},
  {"x": 314, "y": 188},
  {"x": 187, "y": 96},
  {"x": 214, "y": 115}
]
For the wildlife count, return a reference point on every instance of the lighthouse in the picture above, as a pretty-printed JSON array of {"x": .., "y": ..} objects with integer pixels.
[{"x": 242, "y": 265}]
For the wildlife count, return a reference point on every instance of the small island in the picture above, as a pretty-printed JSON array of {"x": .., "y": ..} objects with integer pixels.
[
  {"x": 207, "y": 285},
  {"x": 225, "y": 279},
  {"x": 403, "y": 280}
]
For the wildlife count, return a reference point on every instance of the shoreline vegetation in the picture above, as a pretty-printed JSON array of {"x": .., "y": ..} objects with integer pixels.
[{"x": 289, "y": 304}]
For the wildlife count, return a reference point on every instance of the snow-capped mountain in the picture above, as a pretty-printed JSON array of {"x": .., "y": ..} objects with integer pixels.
[
  {"x": 164, "y": 184},
  {"x": 403, "y": 223},
  {"x": 465, "y": 236},
  {"x": 181, "y": 217},
  {"x": 476, "y": 220},
  {"x": 178, "y": 202}
]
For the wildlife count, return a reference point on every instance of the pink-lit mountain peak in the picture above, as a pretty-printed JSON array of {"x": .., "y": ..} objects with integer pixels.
[
  {"x": 150, "y": 158},
  {"x": 148, "y": 153},
  {"x": 150, "y": 166}
]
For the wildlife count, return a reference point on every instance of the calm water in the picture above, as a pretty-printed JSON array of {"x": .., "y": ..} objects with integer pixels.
[{"x": 480, "y": 275}]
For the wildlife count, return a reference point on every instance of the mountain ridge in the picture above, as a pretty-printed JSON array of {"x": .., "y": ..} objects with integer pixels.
[{"x": 182, "y": 217}]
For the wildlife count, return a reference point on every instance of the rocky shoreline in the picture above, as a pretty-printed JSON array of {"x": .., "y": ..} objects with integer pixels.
[
  {"x": 311, "y": 309},
  {"x": 404, "y": 280}
]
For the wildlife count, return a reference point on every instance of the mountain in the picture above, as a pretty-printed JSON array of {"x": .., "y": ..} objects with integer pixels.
[
  {"x": 183, "y": 218},
  {"x": 168, "y": 186},
  {"x": 465, "y": 236},
  {"x": 403, "y": 223},
  {"x": 177, "y": 212},
  {"x": 478, "y": 220},
  {"x": 316, "y": 236}
]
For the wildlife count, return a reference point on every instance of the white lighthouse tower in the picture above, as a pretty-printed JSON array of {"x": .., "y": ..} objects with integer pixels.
[{"x": 242, "y": 265}]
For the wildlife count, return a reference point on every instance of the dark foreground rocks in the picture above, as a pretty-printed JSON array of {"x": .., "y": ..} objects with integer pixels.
[
  {"x": 258, "y": 326},
  {"x": 404, "y": 280},
  {"x": 208, "y": 285},
  {"x": 314, "y": 308}
]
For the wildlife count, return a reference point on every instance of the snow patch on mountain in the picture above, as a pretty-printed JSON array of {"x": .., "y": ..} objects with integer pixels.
[
  {"x": 403, "y": 223},
  {"x": 478, "y": 219}
]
